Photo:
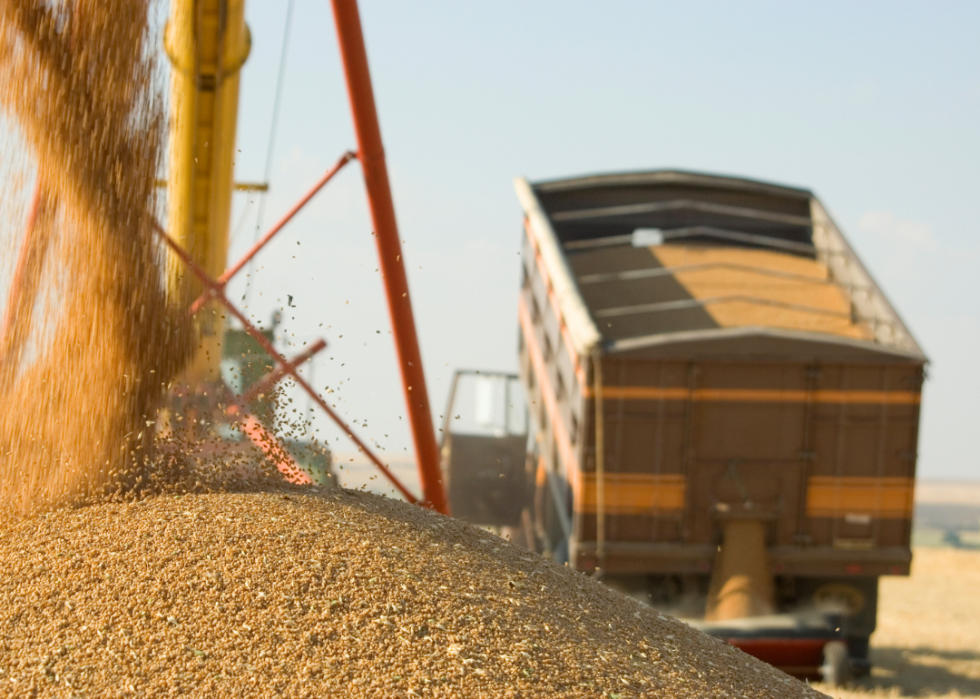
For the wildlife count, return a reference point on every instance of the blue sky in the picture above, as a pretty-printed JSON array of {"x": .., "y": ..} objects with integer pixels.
[{"x": 875, "y": 106}]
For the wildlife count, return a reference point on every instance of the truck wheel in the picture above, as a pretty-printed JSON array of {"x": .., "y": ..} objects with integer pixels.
[{"x": 836, "y": 668}]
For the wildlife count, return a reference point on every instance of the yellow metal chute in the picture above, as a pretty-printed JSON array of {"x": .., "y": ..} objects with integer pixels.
[{"x": 207, "y": 42}]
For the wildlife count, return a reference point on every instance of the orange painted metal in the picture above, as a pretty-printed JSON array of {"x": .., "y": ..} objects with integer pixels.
[
  {"x": 274, "y": 450},
  {"x": 23, "y": 286},
  {"x": 562, "y": 438},
  {"x": 883, "y": 497},
  {"x": 372, "y": 157},
  {"x": 255, "y": 249},
  {"x": 553, "y": 300},
  {"x": 758, "y": 395}
]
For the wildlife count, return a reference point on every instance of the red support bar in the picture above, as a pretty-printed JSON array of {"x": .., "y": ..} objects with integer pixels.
[
  {"x": 274, "y": 450},
  {"x": 232, "y": 271},
  {"x": 301, "y": 382},
  {"x": 216, "y": 290},
  {"x": 273, "y": 376},
  {"x": 14, "y": 292},
  {"x": 266, "y": 441},
  {"x": 236, "y": 268},
  {"x": 371, "y": 154},
  {"x": 201, "y": 275}
]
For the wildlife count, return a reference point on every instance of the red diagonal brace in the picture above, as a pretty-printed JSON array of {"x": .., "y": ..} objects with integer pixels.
[
  {"x": 20, "y": 271},
  {"x": 256, "y": 431},
  {"x": 234, "y": 269},
  {"x": 267, "y": 442},
  {"x": 274, "y": 449},
  {"x": 216, "y": 290},
  {"x": 273, "y": 376}
]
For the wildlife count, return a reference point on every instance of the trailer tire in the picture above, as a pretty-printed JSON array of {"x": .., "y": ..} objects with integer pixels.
[{"x": 836, "y": 669}]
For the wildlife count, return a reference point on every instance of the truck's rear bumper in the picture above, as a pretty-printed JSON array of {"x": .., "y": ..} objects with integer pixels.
[
  {"x": 656, "y": 559},
  {"x": 800, "y": 657}
]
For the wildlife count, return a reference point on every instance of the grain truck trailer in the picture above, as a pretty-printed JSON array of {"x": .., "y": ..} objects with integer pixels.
[{"x": 723, "y": 404}]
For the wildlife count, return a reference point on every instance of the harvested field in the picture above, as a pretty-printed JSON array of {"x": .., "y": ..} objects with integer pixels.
[
  {"x": 298, "y": 593},
  {"x": 928, "y": 637}
]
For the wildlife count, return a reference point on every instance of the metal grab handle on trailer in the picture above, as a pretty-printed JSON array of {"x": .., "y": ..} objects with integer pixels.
[{"x": 600, "y": 463}]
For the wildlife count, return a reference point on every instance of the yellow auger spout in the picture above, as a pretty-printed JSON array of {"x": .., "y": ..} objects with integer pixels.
[{"x": 207, "y": 42}]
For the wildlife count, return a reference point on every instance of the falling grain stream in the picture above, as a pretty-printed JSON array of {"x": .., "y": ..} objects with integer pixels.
[{"x": 73, "y": 419}]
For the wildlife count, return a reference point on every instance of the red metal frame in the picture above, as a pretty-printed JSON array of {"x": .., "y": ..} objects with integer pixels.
[
  {"x": 267, "y": 381},
  {"x": 16, "y": 284},
  {"x": 274, "y": 449},
  {"x": 253, "y": 428},
  {"x": 800, "y": 657},
  {"x": 215, "y": 290},
  {"x": 371, "y": 154},
  {"x": 223, "y": 280}
]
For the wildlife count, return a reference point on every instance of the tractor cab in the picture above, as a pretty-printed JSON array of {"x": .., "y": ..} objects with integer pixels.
[{"x": 484, "y": 448}]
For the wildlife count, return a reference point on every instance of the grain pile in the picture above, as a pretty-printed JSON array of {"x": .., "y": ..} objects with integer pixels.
[{"x": 303, "y": 593}]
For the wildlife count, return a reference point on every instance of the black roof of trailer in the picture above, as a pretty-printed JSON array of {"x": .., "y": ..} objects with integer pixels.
[
  {"x": 730, "y": 259},
  {"x": 666, "y": 177},
  {"x": 604, "y": 206}
]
